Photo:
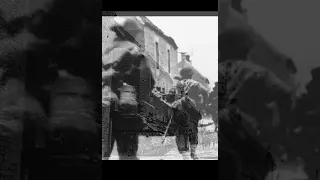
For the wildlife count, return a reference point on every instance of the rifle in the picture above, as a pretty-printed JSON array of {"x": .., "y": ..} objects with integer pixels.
[{"x": 164, "y": 137}]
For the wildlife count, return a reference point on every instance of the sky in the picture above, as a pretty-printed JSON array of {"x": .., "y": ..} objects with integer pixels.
[
  {"x": 197, "y": 34},
  {"x": 291, "y": 28}
]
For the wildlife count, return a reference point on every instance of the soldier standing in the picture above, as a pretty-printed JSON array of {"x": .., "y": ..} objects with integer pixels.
[
  {"x": 125, "y": 74},
  {"x": 187, "y": 110}
]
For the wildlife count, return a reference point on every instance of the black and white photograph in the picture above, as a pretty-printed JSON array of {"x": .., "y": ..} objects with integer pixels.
[
  {"x": 268, "y": 90},
  {"x": 159, "y": 87},
  {"x": 50, "y": 89}
]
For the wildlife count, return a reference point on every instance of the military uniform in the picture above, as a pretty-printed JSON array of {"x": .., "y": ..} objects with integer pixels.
[
  {"x": 171, "y": 96},
  {"x": 187, "y": 110},
  {"x": 238, "y": 98},
  {"x": 244, "y": 91},
  {"x": 125, "y": 76},
  {"x": 113, "y": 66}
]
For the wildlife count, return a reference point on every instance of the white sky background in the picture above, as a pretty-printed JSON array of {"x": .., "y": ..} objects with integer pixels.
[
  {"x": 194, "y": 33},
  {"x": 291, "y": 26}
]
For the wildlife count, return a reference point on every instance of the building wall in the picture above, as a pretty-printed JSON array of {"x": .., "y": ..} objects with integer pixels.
[
  {"x": 150, "y": 38},
  {"x": 107, "y": 35}
]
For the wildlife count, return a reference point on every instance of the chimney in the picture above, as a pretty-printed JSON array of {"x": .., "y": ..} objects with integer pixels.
[
  {"x": 188, "y": 58},
  {"x": 185, "y": 56},
  {"x": 181, "y": 57}
]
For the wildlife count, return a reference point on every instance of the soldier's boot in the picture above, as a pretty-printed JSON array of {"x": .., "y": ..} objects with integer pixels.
[
  {"x": 185, "y": 155},
  {"x": 194, "y": 155}
]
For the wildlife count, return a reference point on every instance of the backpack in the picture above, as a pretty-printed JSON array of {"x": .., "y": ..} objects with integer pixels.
[
  {"x": 71, "y": 105},
  {"x": 72, "y": 124}
]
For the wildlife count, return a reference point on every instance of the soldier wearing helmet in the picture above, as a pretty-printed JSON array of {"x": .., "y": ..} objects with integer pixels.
[
  {"x": 122, "y": 66},
  {"x": 189, "y": 105}
]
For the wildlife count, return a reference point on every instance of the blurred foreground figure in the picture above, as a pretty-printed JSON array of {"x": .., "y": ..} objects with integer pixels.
[
  {"x": 245, "y": 90},
  {"x": 53, "y": 94},
  {"x": 303, "y": 129},
  {"x": 187, "y": 112},
  {"x": 127, "y": 83}
]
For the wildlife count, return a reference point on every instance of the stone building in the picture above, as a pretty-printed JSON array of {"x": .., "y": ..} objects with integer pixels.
[
  {"x": 159, "y": 46},
  {"x": 163, "y": 50}
]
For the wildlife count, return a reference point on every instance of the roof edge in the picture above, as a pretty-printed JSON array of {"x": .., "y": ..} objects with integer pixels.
[{"x": 151, "y": 25}]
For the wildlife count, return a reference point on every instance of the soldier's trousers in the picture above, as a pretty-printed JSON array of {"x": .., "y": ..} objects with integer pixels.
[
  {"x": 185, "y": 125},
  {"x": 186, "y": 135}
]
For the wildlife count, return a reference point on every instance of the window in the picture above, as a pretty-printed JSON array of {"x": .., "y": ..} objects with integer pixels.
[
  {"x": 157, "y": 54},
  {"x": 169, "y": 60}
]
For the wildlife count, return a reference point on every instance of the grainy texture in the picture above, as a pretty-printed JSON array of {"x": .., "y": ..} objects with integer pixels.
[
  {"x": 34, "y": 47},
  {"x": 123, "y": 95}
]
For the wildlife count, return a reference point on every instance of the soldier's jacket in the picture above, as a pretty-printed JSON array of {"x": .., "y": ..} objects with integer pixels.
[
  {"x": 115, "y": 62},
  {"x": 245, "y": 89},
  {"x": 72, "y": 105},
  {"x": 72, "y": 126},
  {"x": 121, "y": 55},
  {"x": 193, "y": 89},
  {"x": 247, "y": 83},
  {"x": 190, "y": 102},
  {"x": 183, "y": 104}
]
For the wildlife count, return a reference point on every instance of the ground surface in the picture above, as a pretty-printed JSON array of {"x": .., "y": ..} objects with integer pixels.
[{"x": 151, "y": 148}]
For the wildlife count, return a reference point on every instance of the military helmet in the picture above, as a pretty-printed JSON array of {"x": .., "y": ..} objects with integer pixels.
[
  {"x": 185, "y": 73},
  {"x": 128, "y": 24}
]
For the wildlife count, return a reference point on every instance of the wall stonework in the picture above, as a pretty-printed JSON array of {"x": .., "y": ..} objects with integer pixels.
[
  {"x": 107, "y": 35},
  {"x": 151, "y": 37}
]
